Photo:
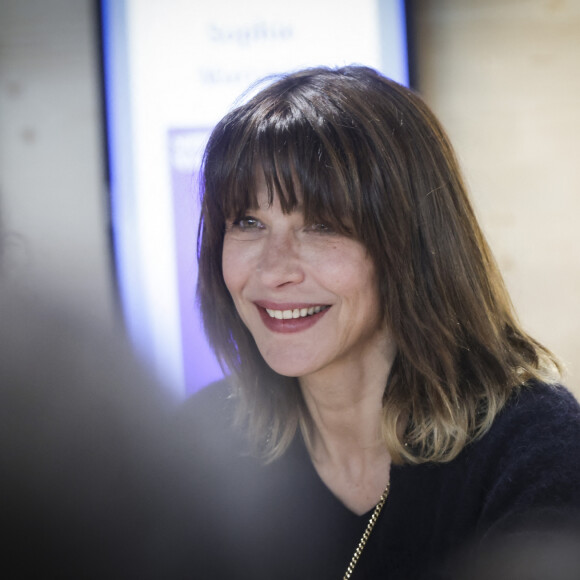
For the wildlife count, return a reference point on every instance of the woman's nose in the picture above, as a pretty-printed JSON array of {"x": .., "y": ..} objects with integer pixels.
[{"x": 280, "y": 262}]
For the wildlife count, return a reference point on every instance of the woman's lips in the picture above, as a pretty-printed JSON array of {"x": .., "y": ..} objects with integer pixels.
[{"x": 291, "y": 318}]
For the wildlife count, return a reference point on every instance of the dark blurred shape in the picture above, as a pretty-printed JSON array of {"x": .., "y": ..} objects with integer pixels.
[
  {"x": 548, "y": 552},
  {"x": 92, "y": 484}
]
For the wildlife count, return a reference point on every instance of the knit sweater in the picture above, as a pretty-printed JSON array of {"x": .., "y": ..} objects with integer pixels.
[{"x": 279, "y": 521}]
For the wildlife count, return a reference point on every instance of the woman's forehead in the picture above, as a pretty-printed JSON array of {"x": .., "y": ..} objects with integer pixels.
[{"x": 264, "y": 195}]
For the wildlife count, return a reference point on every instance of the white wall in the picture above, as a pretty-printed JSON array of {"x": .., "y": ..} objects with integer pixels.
[{"x": 52, "y": 182}]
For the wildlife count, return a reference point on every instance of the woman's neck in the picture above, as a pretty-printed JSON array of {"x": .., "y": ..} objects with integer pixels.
[
  {"x": 345, "y": 419},
  {"x": 346, "y": 446}
]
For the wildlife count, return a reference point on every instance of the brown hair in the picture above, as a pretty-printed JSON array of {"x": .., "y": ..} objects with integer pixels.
[{"x": 371, "y": 159}]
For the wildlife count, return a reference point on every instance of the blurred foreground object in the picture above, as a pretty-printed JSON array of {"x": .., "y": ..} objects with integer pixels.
[
  {"x": 550, "y": 553},
  {"x": 89, "y": 484}
]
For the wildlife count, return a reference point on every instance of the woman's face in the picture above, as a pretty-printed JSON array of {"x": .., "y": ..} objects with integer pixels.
[{"x": 308, "y": 295}]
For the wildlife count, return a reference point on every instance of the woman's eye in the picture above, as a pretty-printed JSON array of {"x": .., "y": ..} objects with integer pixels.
[
  {"x": 321, "y": 228},
  {"x": 247, "y": 223}
]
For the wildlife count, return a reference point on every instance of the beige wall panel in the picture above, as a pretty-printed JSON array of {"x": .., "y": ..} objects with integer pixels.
[{"x": 504, "y": 78}]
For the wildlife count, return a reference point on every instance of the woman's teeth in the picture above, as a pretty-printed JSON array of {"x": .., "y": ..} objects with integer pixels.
[{"x": 296, "y": 313}]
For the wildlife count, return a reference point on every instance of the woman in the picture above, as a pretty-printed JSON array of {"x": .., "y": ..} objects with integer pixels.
[{"x": 378, "y": 374}]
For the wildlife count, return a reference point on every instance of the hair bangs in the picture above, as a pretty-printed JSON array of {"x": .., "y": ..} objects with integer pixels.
[
  {"x": 292, "y": 149},
  {"x": 299, "y": 177}
]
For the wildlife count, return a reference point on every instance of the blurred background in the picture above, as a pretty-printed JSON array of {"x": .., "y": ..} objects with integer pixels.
[{"x": 502, "y": 75}]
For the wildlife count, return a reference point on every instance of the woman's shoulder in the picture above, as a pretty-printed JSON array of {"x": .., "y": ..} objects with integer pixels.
[
  {"x": 526, "y": 468},
  {"x": 551, "y": 396},
  {"x": 539, "y": 412},
  {"x": 539, "y": 427},
  {"x": 531, "y": 454}
]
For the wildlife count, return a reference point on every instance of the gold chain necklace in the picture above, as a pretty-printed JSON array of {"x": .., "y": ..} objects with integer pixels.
[{"x": 367, "y": 533}]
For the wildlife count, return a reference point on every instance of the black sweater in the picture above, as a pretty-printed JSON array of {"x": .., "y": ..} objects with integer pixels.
[{"x": 280, "y": 521}]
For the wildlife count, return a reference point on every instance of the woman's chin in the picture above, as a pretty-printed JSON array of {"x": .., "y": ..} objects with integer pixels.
[{"x": 288, "y": 366}]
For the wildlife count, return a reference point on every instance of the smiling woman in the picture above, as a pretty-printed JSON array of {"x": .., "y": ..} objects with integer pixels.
[{"x": 372, "y": 348}]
